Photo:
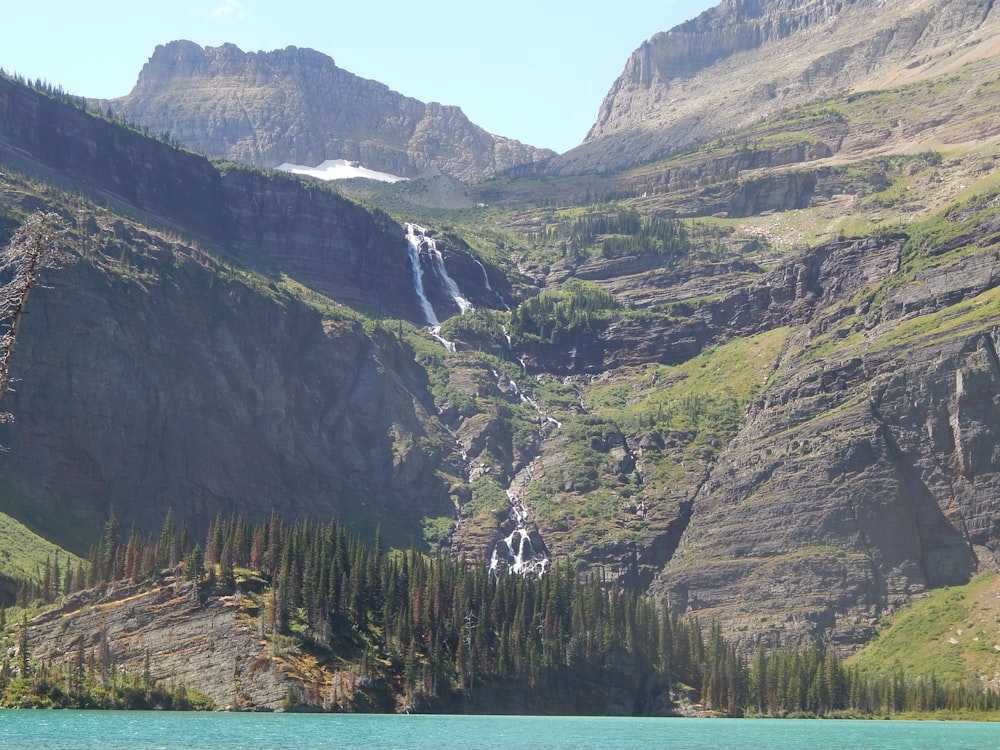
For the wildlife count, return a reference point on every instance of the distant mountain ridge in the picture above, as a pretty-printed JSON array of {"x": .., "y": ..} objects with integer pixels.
[{"x": 295, "y": 105}]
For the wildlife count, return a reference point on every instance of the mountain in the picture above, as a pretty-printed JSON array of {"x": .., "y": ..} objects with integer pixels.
[
  {"x": 296, "y": 106},
  {"x": 190, "y": 286},
  {"x": 747, "y": 60}
]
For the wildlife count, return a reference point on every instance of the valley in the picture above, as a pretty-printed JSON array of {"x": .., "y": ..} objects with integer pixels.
[{"x": 743, "y": 370}]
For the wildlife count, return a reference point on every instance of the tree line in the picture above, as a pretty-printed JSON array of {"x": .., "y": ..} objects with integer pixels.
[
  {"x": 448, "y": 628},
  {"x": 577, "y": 305}
]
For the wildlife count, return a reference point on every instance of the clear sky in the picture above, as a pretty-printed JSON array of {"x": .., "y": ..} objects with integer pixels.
[{"x": 534, "y": 70}]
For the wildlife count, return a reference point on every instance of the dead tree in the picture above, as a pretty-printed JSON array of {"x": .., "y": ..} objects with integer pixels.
[{"x": 39, "y": 243}]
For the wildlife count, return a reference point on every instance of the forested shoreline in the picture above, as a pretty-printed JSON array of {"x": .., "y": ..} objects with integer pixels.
[{"x": 442, "y": 628}]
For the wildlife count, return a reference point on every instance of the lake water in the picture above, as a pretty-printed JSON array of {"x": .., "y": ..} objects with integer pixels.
[{"x": 137, "y": 730}]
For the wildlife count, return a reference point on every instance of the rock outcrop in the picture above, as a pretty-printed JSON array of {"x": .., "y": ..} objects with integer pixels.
[
  {"x": 295, "y": 105},
  {"x": 269, "y": 222},
  {"x": 150, "y": 377},
  {"x": 866, "y": 473},
  {"x": 182, "y": 636}
]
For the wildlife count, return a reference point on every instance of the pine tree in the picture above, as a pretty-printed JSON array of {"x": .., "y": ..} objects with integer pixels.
[{"x": 194, "y": 566}]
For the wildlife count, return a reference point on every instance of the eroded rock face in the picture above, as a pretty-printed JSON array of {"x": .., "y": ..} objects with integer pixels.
[
  {"x": 857, "y": 480},
  {"x": 295, "y": 105},
  {"x": 199, "y": 384},
  {"x": 746, "y": 60},
  {"x": 190, "y": 639}
]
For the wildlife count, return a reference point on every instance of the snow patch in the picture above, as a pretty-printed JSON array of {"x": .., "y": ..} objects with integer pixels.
[{"x": 339, "y": 169}]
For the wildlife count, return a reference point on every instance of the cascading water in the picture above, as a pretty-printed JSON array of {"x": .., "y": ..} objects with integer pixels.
[
  {"x": 417, "y": 238},
  {"x": 418, "y": 243},
  {"x": 522, "y": 551},
  {"x": 518, "y": 554},
  {"x": 413, "y": 250},
  {"x": 486, "y": 285}
]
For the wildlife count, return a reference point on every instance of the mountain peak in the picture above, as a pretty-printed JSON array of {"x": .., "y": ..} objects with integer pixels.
[{"x": 295, "y": 105}]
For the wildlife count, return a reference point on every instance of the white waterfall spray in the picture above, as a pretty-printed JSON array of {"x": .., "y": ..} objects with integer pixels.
[
  {"x": 417, "y": 238},
  {"x": 413, "y": 250},
  {"x": 418, "y": 243},
  {"x": 521, "y": 552}
]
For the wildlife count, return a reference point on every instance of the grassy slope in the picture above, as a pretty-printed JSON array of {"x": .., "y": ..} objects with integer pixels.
[
  {"x": 952, "y": 633},
  {"x": 695, "y": 408},
  {"x": 23, "y": 552}
]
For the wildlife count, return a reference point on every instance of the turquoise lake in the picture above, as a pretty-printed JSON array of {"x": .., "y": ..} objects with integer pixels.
[{"x": 128, "y": 730}]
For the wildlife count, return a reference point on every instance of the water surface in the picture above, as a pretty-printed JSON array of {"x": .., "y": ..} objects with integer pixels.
[{"x": 140, "y": 730}]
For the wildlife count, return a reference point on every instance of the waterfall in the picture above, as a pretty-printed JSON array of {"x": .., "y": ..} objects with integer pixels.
[
  {"x": 413, "y": 250},
  {"x": 521, "y": 552},
  {"x": 417, "y": 240},
  {"x": 486, "y": 284},
  {"x": 517, "y": 554},
  {"x": 436, "y": 334}
]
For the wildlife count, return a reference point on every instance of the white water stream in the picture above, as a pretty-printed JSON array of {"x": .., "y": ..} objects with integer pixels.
[{"x": 418, "y": 245}]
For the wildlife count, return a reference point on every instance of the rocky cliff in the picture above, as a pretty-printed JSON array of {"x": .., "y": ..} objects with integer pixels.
[
  {"x": 180, "y": 635},
  {"x": 746, "y": 60},
  {"x": 151, "y": 377},
  {"x": 295, "y": 105},
  {"x": 868, "y": 469}
]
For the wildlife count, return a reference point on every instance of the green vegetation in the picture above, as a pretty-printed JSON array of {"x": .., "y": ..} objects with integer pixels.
[
  {"x": 85, "y": 682},
  {"x": 436, "y": 624},
  {"x": 577, "y": 307},
  {"x": 704, "y": 396},
  {"x": 37, "y": 567},
  {"x": 948, "y": 634},
  {"x": 615, "y": 232},
  {"x": 813, "y": 682},
  {"x": 681, "y": 415},
  {"x": 438, "y": 627}
]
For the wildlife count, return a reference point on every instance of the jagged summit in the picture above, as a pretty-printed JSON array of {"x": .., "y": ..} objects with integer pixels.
[
  {"x": 295, "y": 105},
  {"x": 746, "y": 60}
]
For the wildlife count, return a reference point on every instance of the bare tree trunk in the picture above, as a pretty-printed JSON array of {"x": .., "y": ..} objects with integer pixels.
[{"x": 36, "y": 245}]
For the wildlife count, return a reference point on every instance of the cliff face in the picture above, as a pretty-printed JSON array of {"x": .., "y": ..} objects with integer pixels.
[
  {"x": 295, "y": 105},
  {"x": 746, "y": 60},
  {"x": 269, "y": 222},
  {"x": 154, "y": 378},
  {"x": 856, "y": 483},
  {"x": 867, "y": 471}
]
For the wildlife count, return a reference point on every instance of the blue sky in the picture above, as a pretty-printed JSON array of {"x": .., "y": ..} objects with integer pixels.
[{"x": 534, "y": 70}]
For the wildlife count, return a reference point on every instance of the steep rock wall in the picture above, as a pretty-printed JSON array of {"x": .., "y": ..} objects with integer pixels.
[
  {"x": 267, "y": 221},
  {"x": 746, "y": 60},
  {"x": 854, "y": 484},
  {"x": 150, "y": 377}
]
